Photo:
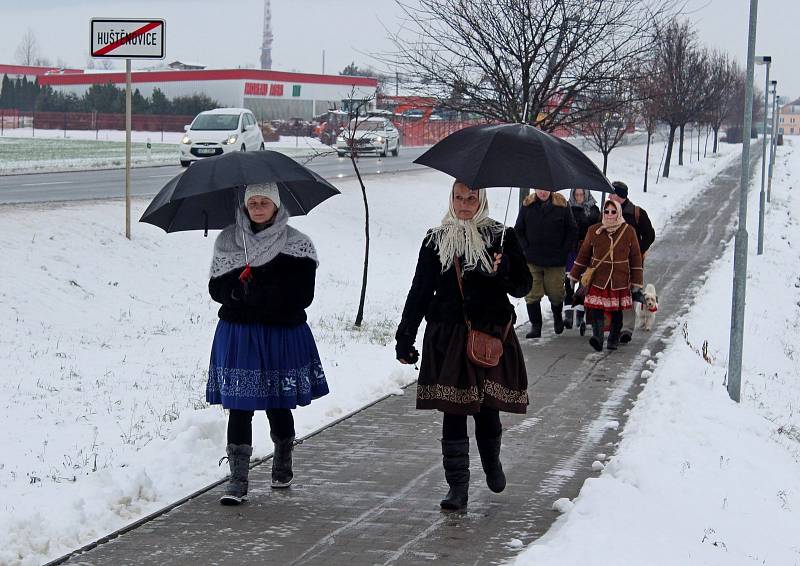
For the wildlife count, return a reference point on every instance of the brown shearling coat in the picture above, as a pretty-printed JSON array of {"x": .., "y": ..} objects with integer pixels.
[{"x": 621, "y": 269}]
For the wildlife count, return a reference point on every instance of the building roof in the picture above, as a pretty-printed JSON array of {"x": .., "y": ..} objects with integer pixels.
[
  {"x": 35, "y": 70},
  {"x": 161, "y": 76}
]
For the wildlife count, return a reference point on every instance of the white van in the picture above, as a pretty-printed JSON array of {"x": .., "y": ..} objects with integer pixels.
[{"x": 219, "y": 131}]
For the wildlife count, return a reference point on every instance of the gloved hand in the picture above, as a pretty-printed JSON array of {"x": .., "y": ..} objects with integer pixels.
[
  {"x": 405, "y": 350},
  {"x": 637, "y": 295}
]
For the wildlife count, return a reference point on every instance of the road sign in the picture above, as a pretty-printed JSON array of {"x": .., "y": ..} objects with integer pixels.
[{"x": 128, "y": 38}]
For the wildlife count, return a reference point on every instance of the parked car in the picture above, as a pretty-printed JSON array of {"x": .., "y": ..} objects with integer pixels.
[
  {"x": 369, "y": 135},
  {"x": 219, "y": 131}
]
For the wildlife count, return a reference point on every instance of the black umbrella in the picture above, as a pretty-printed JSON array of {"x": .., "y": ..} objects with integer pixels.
[
  {"x": 206, "y": 195},
  {"x": 513, "y": 155}
]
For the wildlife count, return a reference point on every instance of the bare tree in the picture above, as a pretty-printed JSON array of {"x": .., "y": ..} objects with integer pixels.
[
  {"x": 649, "y": 92},
  {"x": 608, "y": 116},
  {"x": 675, "y": 61},
  {"x": 27, "y": 52},
  {"x": 522, "y": 61},
  {"x": 727, "y": 80}
]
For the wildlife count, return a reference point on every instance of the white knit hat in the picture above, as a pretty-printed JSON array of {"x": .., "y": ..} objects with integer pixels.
[{"x": 269, "y": 190}]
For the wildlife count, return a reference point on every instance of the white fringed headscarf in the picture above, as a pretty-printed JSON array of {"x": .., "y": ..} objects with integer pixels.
[{"x": 466, "y": 238}]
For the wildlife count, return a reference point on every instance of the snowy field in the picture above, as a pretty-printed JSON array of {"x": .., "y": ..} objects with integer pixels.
[
  {"x": 24, "y": 151},
  {"x": 698, "y": 479},
  {"x": 106, "y": 341}
]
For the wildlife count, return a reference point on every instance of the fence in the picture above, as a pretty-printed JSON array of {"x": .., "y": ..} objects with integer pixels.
[{"x": 12, "y": 118}]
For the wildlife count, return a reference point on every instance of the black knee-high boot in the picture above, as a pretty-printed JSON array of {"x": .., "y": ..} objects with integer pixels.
[
  {"x": 455, "y": 459},
  {"x": 489, "y": 449},
  {"x": 616, "y": 328},
  {"x": 597, "y": 319}
]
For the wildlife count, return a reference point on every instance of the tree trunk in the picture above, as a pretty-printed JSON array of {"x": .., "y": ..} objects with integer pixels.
[
  {"x": 605, "y": 161},
  {"x": 523, "y": 193},
  {"x": 716, "y": 136},
  {"x": 360, "y": 313},
  {"x": 670, "y": 141},
  {"x": 647, "y": 159},
  {"x": 680, "y": 145}
]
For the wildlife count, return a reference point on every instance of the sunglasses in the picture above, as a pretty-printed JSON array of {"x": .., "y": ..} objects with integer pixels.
[{"x": 609, "y": 211}]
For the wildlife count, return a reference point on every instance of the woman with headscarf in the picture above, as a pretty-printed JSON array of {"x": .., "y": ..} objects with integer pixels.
[
  {"x": 467, "y": 242},
  {"x": 611, "y": 249},
  {"x": 585, "y": 212},
  {"x": 263, "y": 356}
]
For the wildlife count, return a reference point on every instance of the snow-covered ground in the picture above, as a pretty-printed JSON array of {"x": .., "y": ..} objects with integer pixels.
[
  {"x": 697, "y": 478},
  {"x": 23, "y": 150},
  {"x": 105, "y": 344}
]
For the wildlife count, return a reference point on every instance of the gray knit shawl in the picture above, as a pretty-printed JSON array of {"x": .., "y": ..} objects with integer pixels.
[{"x": 262, "y": 246}]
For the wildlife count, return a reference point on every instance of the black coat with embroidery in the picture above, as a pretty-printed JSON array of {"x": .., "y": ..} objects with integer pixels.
[
  {"x": 436, "y": 296},
  {"x": 277, "y": 293}
]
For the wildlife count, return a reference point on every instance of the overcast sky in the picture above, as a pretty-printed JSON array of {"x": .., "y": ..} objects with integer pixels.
[{"x": 228, "y": 34}]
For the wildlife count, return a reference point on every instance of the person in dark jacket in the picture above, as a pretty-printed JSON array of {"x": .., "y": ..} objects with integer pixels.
[
  {"x": 585, "y": 212},
  {"x": 638, "y": 219},
  {"x": 469, "y": 241},
  {"x": 263, "y": 356},
  {"x": 547, "y": 233}
]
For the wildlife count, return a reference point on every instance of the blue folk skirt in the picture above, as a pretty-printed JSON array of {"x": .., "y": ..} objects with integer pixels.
[{"x": 257, "y": 366}]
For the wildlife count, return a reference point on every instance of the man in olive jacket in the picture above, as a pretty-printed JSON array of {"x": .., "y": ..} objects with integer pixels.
[
  {"x": 637, "y": 217},
  {"x": 547, "y": 232}
]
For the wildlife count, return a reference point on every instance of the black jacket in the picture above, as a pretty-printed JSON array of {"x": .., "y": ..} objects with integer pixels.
[
  {"x": 277, "y": 294},
  {"x": 436, "y": 297},
  {"x": 546, "y": 230},
  {"x": 644, "y": 229},
  {"x": 584, "y": 220}
]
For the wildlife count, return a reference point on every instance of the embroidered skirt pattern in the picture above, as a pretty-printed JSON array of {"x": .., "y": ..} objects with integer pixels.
[
  {"x": 608, "y": 299},
  {"x": 256, "y": 366}
]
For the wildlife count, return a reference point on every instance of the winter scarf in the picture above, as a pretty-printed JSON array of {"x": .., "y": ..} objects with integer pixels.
[
  {"x": 261, "y": 246},
  {"x": 608, "y": 224},
  {"x": 466, "y": 238},
  {"x": 588, "y": 200}
]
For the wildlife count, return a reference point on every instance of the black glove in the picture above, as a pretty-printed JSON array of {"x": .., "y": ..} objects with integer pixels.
[
  {"x": 637, "y": 295},
  {"x": 405, "y": 349}
]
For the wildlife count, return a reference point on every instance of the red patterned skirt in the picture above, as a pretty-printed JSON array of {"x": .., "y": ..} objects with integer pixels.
[{"x": 608, "y": 299}]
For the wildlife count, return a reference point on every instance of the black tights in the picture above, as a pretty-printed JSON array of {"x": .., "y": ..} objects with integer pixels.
[
  {"x": 240, "y": 425},
  {"x": 487, "y": 425},
  {"x": 599, "y": 314}
]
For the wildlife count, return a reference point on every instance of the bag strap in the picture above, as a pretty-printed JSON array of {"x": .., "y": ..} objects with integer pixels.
[
  {"x": 608, "y": 253},
  {"x": 457, "y": 263}
]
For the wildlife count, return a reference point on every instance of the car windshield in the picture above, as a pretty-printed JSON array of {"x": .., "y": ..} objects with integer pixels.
[
  {"x": 368, "y": 126},
  {"x": 216, "y": 122}
]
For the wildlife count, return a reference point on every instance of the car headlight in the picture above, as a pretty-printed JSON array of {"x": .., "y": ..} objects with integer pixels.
[
  {"x": 379, "y": 139},
  {"x": 186, "y": 140},
  {"x": 231, "y": 139}
]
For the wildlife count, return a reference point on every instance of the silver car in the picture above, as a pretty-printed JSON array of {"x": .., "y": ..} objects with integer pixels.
[{"x": 369, "y": 135}]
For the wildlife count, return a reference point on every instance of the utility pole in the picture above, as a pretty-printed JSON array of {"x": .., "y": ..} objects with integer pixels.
[
  {"x": 764, "y": 60},
  {"x": 740, "y": 245},
  {"x": 772, "y": 139}
]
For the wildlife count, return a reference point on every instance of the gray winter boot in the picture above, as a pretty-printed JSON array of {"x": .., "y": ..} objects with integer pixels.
[
  {"x": 455, "y": 459},
  {"x": 239, "y": 462},
  {"x": 282, "y": 462}
]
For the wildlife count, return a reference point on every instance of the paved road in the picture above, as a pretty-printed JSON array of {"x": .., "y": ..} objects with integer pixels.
[
  {"x": 146, "y": 181},
  {"x": 367, "y": 489}
]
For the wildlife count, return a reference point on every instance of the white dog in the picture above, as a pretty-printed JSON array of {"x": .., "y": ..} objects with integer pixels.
[{"x": 646, "y": 312}]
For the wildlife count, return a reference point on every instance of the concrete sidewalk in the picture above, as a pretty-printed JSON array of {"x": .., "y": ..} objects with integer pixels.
[{"x": 367, "y": 489}]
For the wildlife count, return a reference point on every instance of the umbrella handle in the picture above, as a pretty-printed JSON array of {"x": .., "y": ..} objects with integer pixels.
[
  {"x": 505, "y": 219},
  {"x": 205, "y": 224}
]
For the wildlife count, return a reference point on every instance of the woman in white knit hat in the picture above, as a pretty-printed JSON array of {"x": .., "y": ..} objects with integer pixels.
[{"x": 263, "y": 356}]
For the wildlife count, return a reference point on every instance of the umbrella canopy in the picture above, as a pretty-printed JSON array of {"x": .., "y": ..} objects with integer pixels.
[
  {"x": 513, "y": 155},
  {"x": 206, "y": 195}
]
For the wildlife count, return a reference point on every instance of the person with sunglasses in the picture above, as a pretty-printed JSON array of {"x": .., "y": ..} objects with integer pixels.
[{"x": 611, "y": 251}]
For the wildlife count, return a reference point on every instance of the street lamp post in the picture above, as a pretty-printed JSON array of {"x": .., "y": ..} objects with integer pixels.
[
  {"x": 740, "y": 243},
  {"x": 773, "y": 139},
  {"x": 763, "y": 60}
]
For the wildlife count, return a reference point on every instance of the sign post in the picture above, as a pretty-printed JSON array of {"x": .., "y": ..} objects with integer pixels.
[{"x": 127, "y": 39}]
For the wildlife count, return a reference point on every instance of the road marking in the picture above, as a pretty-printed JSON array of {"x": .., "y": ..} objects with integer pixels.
[{"x": 50, "y": 183}]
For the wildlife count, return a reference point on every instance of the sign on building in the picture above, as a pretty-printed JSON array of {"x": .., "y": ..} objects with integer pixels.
[{"x": 127, "y": 38}]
